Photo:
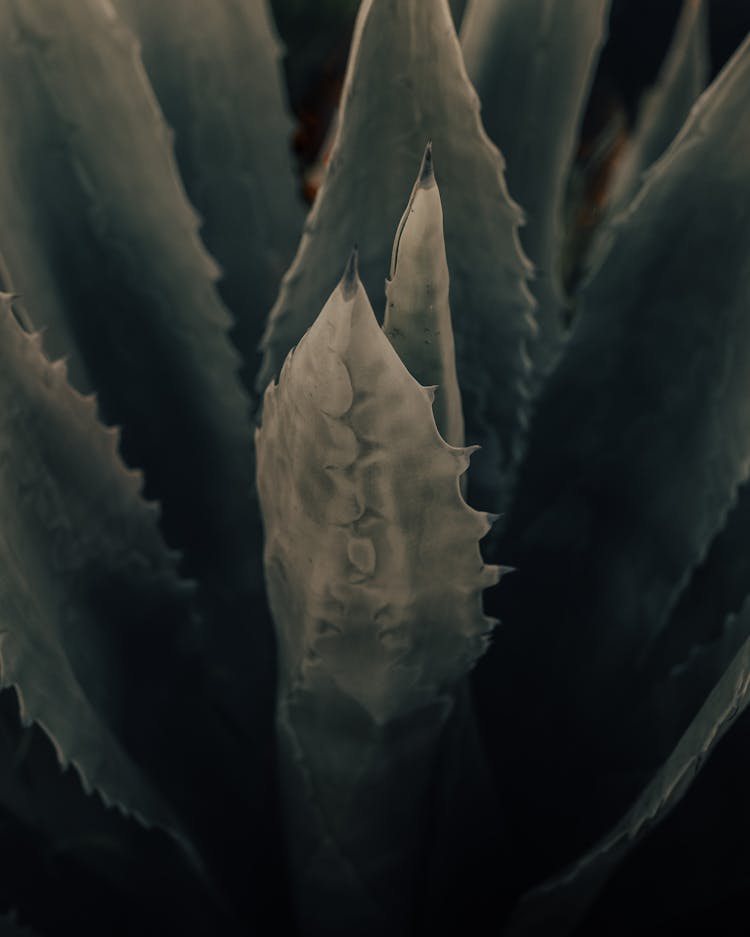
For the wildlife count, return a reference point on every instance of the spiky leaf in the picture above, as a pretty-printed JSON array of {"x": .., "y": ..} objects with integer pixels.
[
  {"x": 554, "y": 45},
  {"x": 640, "y": 440},
  {"x": 377, "y": 602},
  {"x": 417, "y": 313},
  {"x": 665, "y": 107},
  {"x": 60, "y": 844},
  {"x": 555, "y": 907},
  {"x": 349, "y": 456},
  {"x": 78, "y": 546},
  {"x": 216, "y": 70},
  {"x": 99, "y": 238},
  {"x": 380, "y": 140},
  {"x": 102, "y": 641}
]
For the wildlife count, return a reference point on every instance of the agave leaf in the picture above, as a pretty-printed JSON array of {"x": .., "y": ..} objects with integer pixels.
[
  {"x": 216, "y": 70},
  {"x": 678, "y": 696},
  {"x": 97, "y": 234},
  {"x": 349, "y": 456},
  {"x": 555, "y": 907},
  {"x": 554, "y": 45},
  {"x": 665, "y": 107},
  {"x": 641, "y": 438},
  {"x": 377, "y": 602},
  {"x": 65, "y": 844},
  {"x": 675, "y": 450},
  {"x": 417, "y": 314},
  {"x": 380, "y": 140},
  {"x": 689, "y": 874},
  {"x": 99, "y": 634},
  {"x": 716, "y": 590},
  {"x": 76, "y": 537}
]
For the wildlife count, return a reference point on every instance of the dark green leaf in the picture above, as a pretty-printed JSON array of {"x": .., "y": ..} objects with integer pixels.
[
  {"x": 535, "y": 120},
  {"x": 640, "y": 441},
  {"x": 216, "y": 70},
  {"x": 555, "y": 907}
]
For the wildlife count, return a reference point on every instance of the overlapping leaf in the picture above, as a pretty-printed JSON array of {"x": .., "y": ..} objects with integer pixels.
[
  {"x": 417, "y": 313},
  {"x": 377, "y": 602},
  {"x": 555, "y": 907},
  {"x": 100, "y": 639},
  {"x": 61, "y": 845},
  {"x": 640, "y": 440},
  {"x": 554, "y": 45},
  {"x": 349, "y": 448},
  {"x": 98, "y": 237},
  {"x": 683, "y": 76},
  {"x": 716, "y": 590},
  {"x": 216, "y": 70},
  {"x": 409, "y": 52},
  {"x": 76, "y": 541}
]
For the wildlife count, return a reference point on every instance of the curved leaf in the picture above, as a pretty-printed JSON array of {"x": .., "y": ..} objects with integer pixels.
[
  {"x": 665, "y": 107},
  {"x": 618, "y": 418},
  {"x": 216, "y": 70},
  {"x": 717, "y": 589},
  {"x": 410, "y": 52},
  {"x": 100, "y": 637},
  {"x": 76, "y": 538},
  {"x": 417, "y": 313},
  {"x": 640, "y": 440},
  {"x": 554, "y": 45},
  {"x": 77, "y": 866},
  {"x": 690, "y": 874},
  {"x": 556, "y": 907},
  {"x": 99, "y": 238}
]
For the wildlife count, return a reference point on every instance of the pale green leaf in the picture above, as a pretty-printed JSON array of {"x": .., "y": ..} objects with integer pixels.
[
  {"x": 376, "y": 597},
  {"x": 417, "y": 313},
  {"x": 409, "y": 52}
]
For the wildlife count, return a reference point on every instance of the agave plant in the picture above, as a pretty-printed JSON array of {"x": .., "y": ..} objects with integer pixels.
[{"x": 258, "y": 615}]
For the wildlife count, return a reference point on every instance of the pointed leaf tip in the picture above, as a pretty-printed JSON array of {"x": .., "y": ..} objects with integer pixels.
[
  {"x": 339, "y": 435},
  {"x": 350, "y": 279},
  {"x": 378, "y": 137},
  {"x": 426, "y": 178}
]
